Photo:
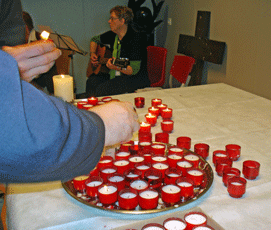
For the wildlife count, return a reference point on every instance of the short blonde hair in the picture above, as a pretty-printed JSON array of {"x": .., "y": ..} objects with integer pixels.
[{"x": 123, "y": 12}]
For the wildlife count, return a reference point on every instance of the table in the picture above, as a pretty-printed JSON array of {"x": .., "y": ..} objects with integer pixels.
[{"x": 217, "y": 114}]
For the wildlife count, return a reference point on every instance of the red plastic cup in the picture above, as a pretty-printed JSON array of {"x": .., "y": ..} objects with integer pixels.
[
  {"x": 202, "y": 149},
  {"x": 121, "y": 165},
  {"x": 171, "y": 175},
  {"x": 187, "y": 187},
  {"x": 251, "y": 169},
  {"x": 79, "y": 182},
  {"x": 143, "y": 167},
  {"x": 153, "y": 226},
  {"x": 148, "y": 199},
  {"x": 131, "y": 175},
  {"x": 105, "y": 161},
  {"x": 139, "y": 185},
  {"x": 80, "y": 104},
  {"x": 107, "y": 171},
  {"x": 144, "y": 137},
  {"x": 237, "y": 186},
  {"x": 219, "y": 154},
  {"x": 154, "y": 178},
  {"x": 161, "y": 107},
  {"x": 128, "y": 199},
  {"x": 171, "y": 194},
  {"x": 184, "y": 142},
  {"x": 139, "y": 102},
  {"x": 159, "y": 159},
  {"x": 221, "y": 165},
  {"x": 145, "y": 127},
  {"x": 183, "y": 165},
  {"x": 118, "y": 180},
  {"x": 196, "y": 175},
  {"x": 166, "y": 113},
  {"x": 173, "y": 158},
  {"x": 126, "y": 146},
  {"x": 167, "y": 126},
  {"x": 154, "y": 110},
  {"x": 156, "y": 101},
  {"x": 122, "y": 155},
  {"x": 162, "y": 137},
  {"x": 234, "y": 151},
  {"x": 192, "y": 158},
  {"x": 151, "y": 119},
  {"x": 135, "y": 159},
  {"x": 162, "y": 167},
  {"x": 195, "y": 219},
  {"x": 108, "y": 193},
  {"x": 92, "y": 100},
  {"x": 228, "y": 173},
  {"x": 175, "y": 150},
  {"x": 158, "y": 149},
  {"x": 92, "y": 185}
]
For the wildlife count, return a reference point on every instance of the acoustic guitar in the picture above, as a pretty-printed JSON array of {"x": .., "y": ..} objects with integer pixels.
[{"x": 104, "y": 54}]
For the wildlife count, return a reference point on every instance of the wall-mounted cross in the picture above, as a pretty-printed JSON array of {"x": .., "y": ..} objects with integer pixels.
[{"x": 200, "y": 47}]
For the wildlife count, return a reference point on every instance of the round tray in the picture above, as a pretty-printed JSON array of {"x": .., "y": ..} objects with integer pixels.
[{"x": 207, "y": 182}]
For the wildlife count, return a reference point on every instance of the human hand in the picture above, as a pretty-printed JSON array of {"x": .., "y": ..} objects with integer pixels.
[
  {"x": 35, "y": 58},
  {"x": 94, "y": 59},
  {"x": 120, "y": 120},
  {"x": 110, "y": 65}
]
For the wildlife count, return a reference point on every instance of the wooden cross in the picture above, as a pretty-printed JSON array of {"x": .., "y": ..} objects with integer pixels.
[{"x": 200, "y": 47}]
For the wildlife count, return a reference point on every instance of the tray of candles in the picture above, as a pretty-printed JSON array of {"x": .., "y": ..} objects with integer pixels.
[{"x": 143, "y": 178}]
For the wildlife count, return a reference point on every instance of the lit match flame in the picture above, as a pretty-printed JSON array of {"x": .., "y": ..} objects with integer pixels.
[{"x": 45, "y": 35}]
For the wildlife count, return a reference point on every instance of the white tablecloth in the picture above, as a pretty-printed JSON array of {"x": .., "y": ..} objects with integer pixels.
[{"x": 216, "y": 114}]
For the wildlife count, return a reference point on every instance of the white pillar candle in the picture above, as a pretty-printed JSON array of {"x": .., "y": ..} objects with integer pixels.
[
  {"x": 107, "y": 189},
  {"x": 195, "y": 219},
  {"x": 63, "y": 87},
  {"x": 172, "y": 189},
  {"x": 94, "y": 183}
]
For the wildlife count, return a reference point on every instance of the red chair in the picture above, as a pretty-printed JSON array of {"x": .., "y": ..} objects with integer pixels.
[
  {"x": 180, "y": 69},
  {"x": 156, "y": 64}
]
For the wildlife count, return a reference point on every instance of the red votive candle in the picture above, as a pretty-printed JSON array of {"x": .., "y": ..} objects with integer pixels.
[
  {"x": 108, "y": 193},
  {"x": 92, "y": 185},
  {"x": 128, "y": 199},
  {"x": 105, "y": 161},
  {"x": 122, "y": 155},
  {"x": 166, "y": 113},
  {"x": 126, "y": 145},
  {"x": 135, "y": 159},
  {"x": 148, "y": 199},
  {"x": 144, "y": 146},
  {"x": 228, "y": 173},
  {"x": 206, "y": 227},
  {"x": 237, "y": 186},
  {"x": 161, "y": 107},
  {"x": 154, "y": 178},
  {"x": 234, "y": 151},
  {"x": 184, "y": 142},
  {"x": 171, "y": 175},
  {"x": 194, "y": 219},
  {"x": 79, "y": 182},
  {"x": 139, "y": 185},
  {"x": 196, "y": 175},
  {"x": 167, "y": 126},
  {"x": 92, "y": 100},
  {"x": 162, "y": 137},
  {"x": 107, "y": 171},
  {"x": 144, "y": 137},
  {"x": 118, "y": 180},
  {"x": 121, "y": 165},
  {"x": 131, "y": 175},
  {"x": 187, "y": 187},
  {"x": 251, "y": 169},
  {"x": 221, "y": 165},
  {"x": 143, "y": 167},
  {"x": 175, "y": 150},
  {"x": 106, "y": 99},
  {"x": 159, "y": 159},
  {"x": 171, "y": 194},
  {"x": 162, "y": 167},
  {"x": 151, "y": 119},
  {"x": 148, "y": 157},
  {"x": 80, "y": 104},
  {"x": 183, "y": 165},
  {"x": 156, "y": 101},
  {"x": 173, "y": 158},
  {"x": 219, "y": 154},
  {"x": 154, "y": 111},
  {"x": 202, "y": 149},
  {"x": 139, "y": 102},
  {"x": 145, "y": 127},
  {"x": 158, "y": 149},
  {"x": 192, "y": 158},
  {"x": 173, "y": 223}
]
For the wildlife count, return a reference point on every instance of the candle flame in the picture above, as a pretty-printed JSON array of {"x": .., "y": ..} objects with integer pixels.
[
  {"x": 45, "y": 35},
  {"x": 62, "y": 76}
]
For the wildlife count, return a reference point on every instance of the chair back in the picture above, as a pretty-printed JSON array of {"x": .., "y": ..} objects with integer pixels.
[
  {"x": 156, "y": 65},
  {"x": 181, "y": 67}
]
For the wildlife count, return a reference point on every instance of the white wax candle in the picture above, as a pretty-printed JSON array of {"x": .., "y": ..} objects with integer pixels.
[
  {"x": 184, "y": 164},
  {"x": 175, "y": 225},
  {"x": 150, "y": 115},
  {"x": 107, "y": 189},
  {"x": 167, "y": 122},
  {"x": 173, "y": 175},
  {"x": 195, "y": 219},
  {"x": 176, "y": 150},
  {"x": 143, "y": 167},
  {"x": 154, "y": 109},
  {"x": 136, "y": 159},
  {"x": 174, "y": 157},
  {"x": 116, "y": 179},
  {"x": 160, "y": 166},
  {"x": 172, "y": 189},
  {"x": 151, "y": 177},
  {"x": 143, "y": 124},
  {"x": 109, "y": 170},
  {"x": 145, "y": 143},
  {"x": 121, "y": 163},
  {"x": 94, "y": 183},
  {"x": 128, "y": 195},
  {"x": 158, "y": 146},
  {"x": 63, "y": 87},
  {"x": 123, "y": 154},
  {"x": 132, "y": 175},
  {"x": 105, "y": 161},
  {"x": 195, "y": 172},
  {"x": 220, "y": 155},
  {"x": 149, "y": 194},
  {"x": 153, "y": 228},
  {"x": 236, "y": 183},
  {"x": 202, "y": 228},
  {"x": 159, "y": 158},
  {"x": 80, "y": 178},
  {"x": 139, "y": 184},
  {"x": 184, "y": 184},
  {"x": 191, "y": 157}
]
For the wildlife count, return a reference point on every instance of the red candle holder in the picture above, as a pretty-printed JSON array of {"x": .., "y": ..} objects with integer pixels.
[
  {"x": 196, "y": 175},
  {"x": 154, "y": 178},
  {"x": 195, "y": 219},
  {"x": 174, "y": 223},
  {"x": 80, "y": 104},
  {"x": 221, "y": 154},
  {"x": 229, "y": 173},
  {"x": 143, "y": 167},
  {"x": 151, "y": 119},
  {"x": 128, "y": 199},
  {"x": 237, "y": 186},
  {"x": 192, "y": 158},
  {"x": 158, "y": 149},
  {"x": 234, "y": 151},
  {"x": 184, "y": 142},
  {"x": 131, "y": 175},
  {"x": 173, "y": 158},
  {"x": 107, "y": 171},
  {"x": 175, "y": 150},
  {"x": 126, "y": 145},
  {"x": 100, "y": 103},
  {"x": 144, "y": 146},
  {"x": 94, "y": 172},
  {"x": 162, "y": 167},
  {"x": 135, "y": 159},
  {"x": 139, "y": 185},
  {"x": 161, "y": 107},
  {"x": 118, "y": 180},
  {"x": 162, "y": 137},
  {"x": 206, "y": 227},
  {"x": 154, "y": 111},
  {"x": 148, "y": 157},
  {"x": 153, "y": 226},
  {"x": 79, "y": 183},
  {"x": 139, "y": 102},
  {"x": 148, "y": 199},
  {"x": 202, "y": 149},
  {"x": 106, "y": 99},
  {"x": 251, "y": 169},
  {"x": 159, "y": 159},
  {"x": 187, "y": 187},
  {"x": 105, "y": 161},
  {"x": 122, "y": 155},
  {"x": 145, "y": 127},
  {"x": 171, "y": 194},
  {"x": 121, "y": 165},
  {"x": 171, "y": 175},
  {"x": 166, "y": 113},
  {"x": 92, "y": 100},
  {"x": 156, "y": 101},
  {"x": 144, "y": 137},
  {"x": 167, "y": 126},
  {"x": 183, "y": 165},
  {"x": 87, "y": 106},
  {"x": 221, "y": 165},
  {"x": 92, "y": 185},
  {"x": 108, "y": 194}
]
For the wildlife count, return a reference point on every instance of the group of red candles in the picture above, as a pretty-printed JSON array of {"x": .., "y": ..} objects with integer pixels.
[{"x": 93, "y": 101}]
